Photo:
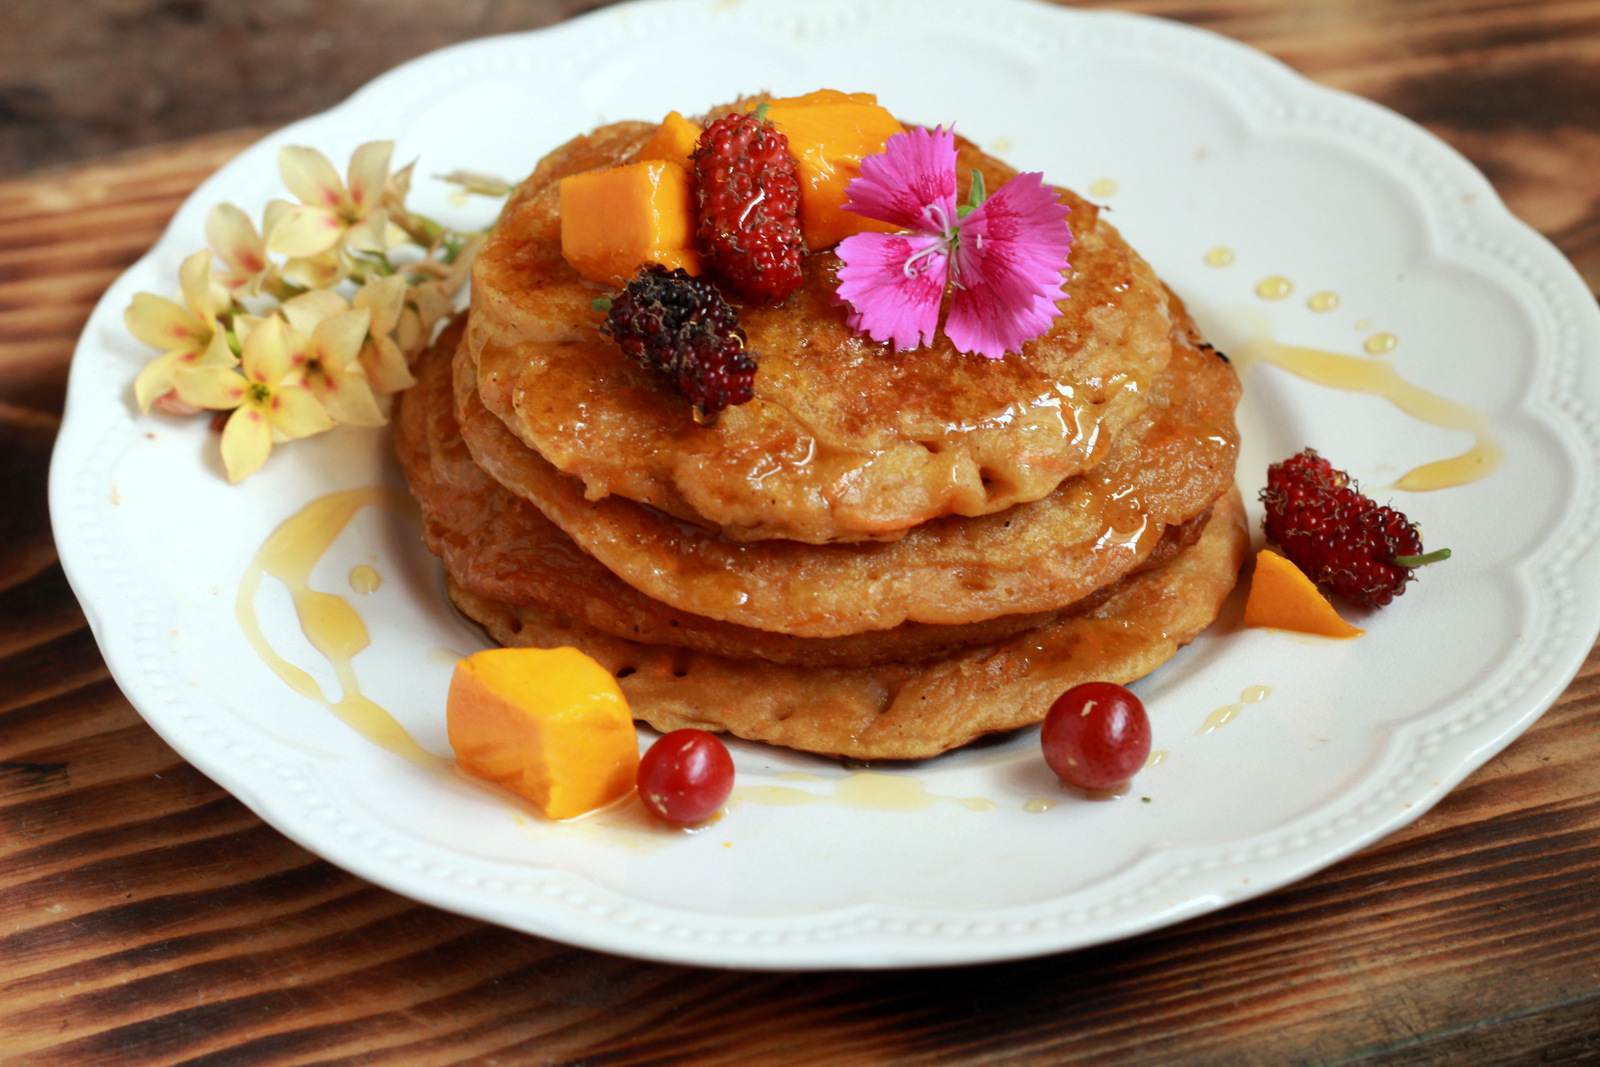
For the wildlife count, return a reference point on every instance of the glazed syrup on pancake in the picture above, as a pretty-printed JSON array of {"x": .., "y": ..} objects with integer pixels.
[
  {"x": 1222, "y": 716},
  {"x": 1357, "y": 375},
  {"x": 861, "y": 791},
  {"x": 1126, "y": 525},
  {"x": 331, "y": 624}
]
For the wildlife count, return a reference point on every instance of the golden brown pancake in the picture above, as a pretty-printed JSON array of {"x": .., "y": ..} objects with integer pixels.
[
  {"x": 1163, "y": 469},
  {"x": 499, "y": 547},
  {"x": 908, "y": 711},
  {"x": 845, "y": 439}
]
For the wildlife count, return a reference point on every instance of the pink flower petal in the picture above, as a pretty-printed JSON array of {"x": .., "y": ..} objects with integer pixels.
[
  {"x": 915, "y": 171},
  {"x": 890, "y": 303},
  {"x": 1010, "y": 262}
]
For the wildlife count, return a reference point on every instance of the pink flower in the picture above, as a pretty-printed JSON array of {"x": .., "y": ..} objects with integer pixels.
[{"x": 1005, "y": 256}]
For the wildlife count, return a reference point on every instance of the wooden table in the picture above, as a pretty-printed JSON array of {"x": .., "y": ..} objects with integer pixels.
[{"x": 147, "y": 916}]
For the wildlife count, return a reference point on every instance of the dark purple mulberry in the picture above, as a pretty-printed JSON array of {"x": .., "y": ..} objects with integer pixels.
[{"x": 681, "y": 327}]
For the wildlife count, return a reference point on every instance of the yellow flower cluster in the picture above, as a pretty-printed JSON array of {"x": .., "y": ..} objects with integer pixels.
[{"x": 297, "y": 344}]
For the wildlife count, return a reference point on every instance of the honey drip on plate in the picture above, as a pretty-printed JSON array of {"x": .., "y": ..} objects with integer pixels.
[
  {"x": 1219, "y": 718},
  {"x": 331, "y": 625},
  {"x": 1040, "y": 804},
  {"x": 1274, "y": 287},
  {"x": 1374, "y": 378},
  {"x": 365, "y": 580},
  {"x": 1220, "y": 256},
  {"x": 1323, "y": 300},
  {"x": 1103, "y": 187},
  {"x": 862, "y": 791},
  {"x": 1157, "y": 758},
  {"x": 1380, "y": 344},
  {"x": 1222, "y": 716}
]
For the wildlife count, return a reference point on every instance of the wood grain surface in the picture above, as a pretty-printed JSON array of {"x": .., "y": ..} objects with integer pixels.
[{"x": 146, "y": 916}]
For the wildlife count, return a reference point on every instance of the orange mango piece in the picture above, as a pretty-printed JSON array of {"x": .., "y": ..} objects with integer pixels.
[
  {"x": 549, "y": 724},
  {"x": 1283, "y": 598},
  {"x": 673, "y": 141},
  {"x": 614, "y": 221},
  {"x": 830, "y": 133}
]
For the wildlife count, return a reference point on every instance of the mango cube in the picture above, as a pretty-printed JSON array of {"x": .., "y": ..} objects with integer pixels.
[
  {"x": 549, "y": 724},
  {"x": 614, "y": 221},
  {"x": 1283, "y": 598},
  {"x": 673, "y": 141},
  {"x": 830, "y": 133}
]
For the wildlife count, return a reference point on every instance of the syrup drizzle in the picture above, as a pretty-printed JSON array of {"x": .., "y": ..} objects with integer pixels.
[
  {"x": 861, "y": 791},
  {"x": 1222, "y": 716},
  {"x": 1380, "y": 344},
  {"x": 1274, "y": 287},
  {"x": 1373, "y": 378},
  {"x": 331, "y": 624},
  {"x": 364, "y": 579}
]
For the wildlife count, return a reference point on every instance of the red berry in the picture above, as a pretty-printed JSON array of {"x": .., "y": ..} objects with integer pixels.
[
  {"x": 683, "y": 328},
  {"x": 685, "y": 776},
  {"x": 1343, "y": 540},
  {"x": 1096, "y": 736},
  {"x": 749, "y": 194}
]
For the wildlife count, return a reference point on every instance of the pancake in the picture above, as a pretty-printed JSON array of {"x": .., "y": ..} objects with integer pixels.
[
  {"x": 1163, "y": 469},
  {"x": 497, "y": 546},
  {"x": 845, "y": 439},
  {"x": 908, "y": 711}
]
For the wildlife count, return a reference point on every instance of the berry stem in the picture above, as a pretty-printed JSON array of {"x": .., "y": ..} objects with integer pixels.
[{"x": 1436, "y": 556}]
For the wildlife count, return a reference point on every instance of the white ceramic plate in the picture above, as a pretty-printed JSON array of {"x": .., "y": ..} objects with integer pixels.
[{"x": 1209, "y": 144}]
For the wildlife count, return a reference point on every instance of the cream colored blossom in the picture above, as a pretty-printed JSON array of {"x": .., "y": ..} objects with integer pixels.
[
  {"x": 307, "y": 321},
  {"x": 182, "y": 332},
  {"x": 330, "y": 364},
  {"x": 307, "y": 311},
  {"x": 269, "y": 400},
  {"x": 434, "y": 298},
  {"x": 385, "y": 364},
  {"x": 335, "y": 215},
  {"x": 243, "y": 249}
]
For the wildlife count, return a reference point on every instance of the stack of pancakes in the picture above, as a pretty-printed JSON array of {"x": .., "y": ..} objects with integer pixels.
[{"x": 882, "y": 555}]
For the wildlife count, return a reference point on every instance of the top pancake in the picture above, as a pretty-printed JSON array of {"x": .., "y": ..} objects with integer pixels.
[{"x": 845, "y": 439}]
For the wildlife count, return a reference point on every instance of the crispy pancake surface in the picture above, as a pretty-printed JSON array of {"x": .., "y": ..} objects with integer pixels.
[
  {"x": 908, "y": 711},
  {"x": 1165, "y": 467},
  {"x": 846, "y": 439}
]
